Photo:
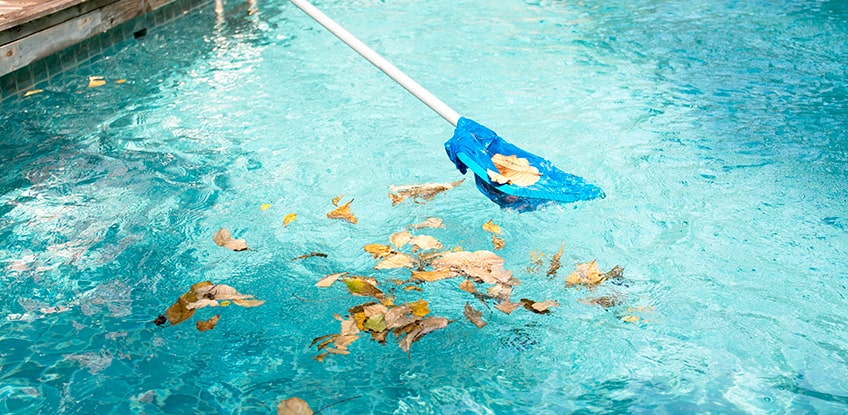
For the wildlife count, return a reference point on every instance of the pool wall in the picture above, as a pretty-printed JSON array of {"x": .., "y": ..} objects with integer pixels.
[{"x": 43, "y": 39}]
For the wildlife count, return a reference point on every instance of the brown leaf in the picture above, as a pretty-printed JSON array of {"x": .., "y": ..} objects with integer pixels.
[
  {"x": 310, "y": 255},
  {"x": 178, "y": 312},
  {"x": 605, "y": 301},
  {"x": 425, "y": 242},
  {"x": 396, "y": 260},
  {"x": 421, "y": 191},
  {"x": 468, "y": 286},
  {"x": 328, "y": 280},
  {"x": 400, "y": 316},
  {"x": 430, "y": 276},
  {"x": 343, "y": 212},
  {"x": 420, "y": 328},
  {"x": 474, "y": 316},
  {"x": 399, "y": 239},
  {"x": 513, "y": 170},
  {"x": 208, "y": 324},
  {"x": 585, "y": 274},
  {"x": 615, "y": 273},
  {"x": 555, "y": 262},
  {"x": 294, "y": 406},
  {"x": 491, "y": 227},
  {"x": 539, "y": 307},
  {"x": 225, "y": 239},
  {"x": 429, "y": 223},
  {"x": 507, "y": 306}
]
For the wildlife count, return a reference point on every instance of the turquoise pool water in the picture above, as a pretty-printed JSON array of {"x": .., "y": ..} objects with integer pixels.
[{"x": 716, "y": 129}]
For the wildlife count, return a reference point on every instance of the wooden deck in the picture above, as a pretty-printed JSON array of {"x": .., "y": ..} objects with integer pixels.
[{"x": 32, "y": 30}]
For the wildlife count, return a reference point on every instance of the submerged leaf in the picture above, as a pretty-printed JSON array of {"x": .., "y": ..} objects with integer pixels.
[
  {"x": 263, "y": 207},
  {"x": 605, "y": 301},
  {"x": 225, "y": 239},
  {"x": 95, "y": 81},
  {"x": 585, "y": 274},
  {"x": 328, "y": 280},
  {"x": 474, "y": 316},
  {"x": 289, "y": 218},
  {"x": 33, "y": 92},
  {"x": 514, "y": 170},
  {"x": 429, "y": 223},
  {"x": 555, "y": 262},
  {"x": 343, "y": 212},
  {"x": 423, "y": 191},
  {"x": 294, "y": 406},
  {"x": 310, "y": 255},
  {"x": 208, "y": 324}
]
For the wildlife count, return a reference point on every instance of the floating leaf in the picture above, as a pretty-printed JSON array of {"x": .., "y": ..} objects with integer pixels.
[
  {"x": 178, "y": 312},
  {"x": 33, "y": 92},
  {"x": 474, "y": 316},
  {"x": 507, "y": 306},
  {"x": 219, "y": 292},
  {"x": 363, "y": 287},
  {"x": 468, "y": 286},
  {"x": 121, "y": 81},
  {"x": 513, "y": 170},
  {"x": 630, "y": 319},
  {"x": 225, "y": 239},
  {"x": 378, "y": 250},
  {"x": 430, "y": 276},
  {"x": 419, "y": 308},
  {"x": 616, "y": 272},
  {"x": 376, "y": 323},
  {"x": 491, "y": 227},
  {"x": 421, "y": 191},
  {"x": 539, "y": 307},
  {"x": 425, "y": 242},
  {"x": 420, "y": 328},
  {"x": 337, "y": 199},
  {"x": 294, "y": 406},
  {"x": 249, "y": 302},
  {"x": 396, "y": 260},
  {"x": 95, "y": 81},
  {"x": 429, "y": 223},
  {"x": 289, "y": 218},
  {"x": 160, "y": 320},
  {"x": 208, "y": 324},
  {"x": 328, "y": 280},
  {"x": 343, "y": 212},
  {"x": 498, "y": 243},
  {"x": 586, "y": 274},
  {"x": 399, "y": 239},
  {"x": 263, "y": 207},
  {"x": 555, "y": 262}
]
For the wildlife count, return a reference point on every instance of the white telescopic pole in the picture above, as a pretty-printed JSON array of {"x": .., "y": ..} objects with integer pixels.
[{"x": 381, "y": 63}]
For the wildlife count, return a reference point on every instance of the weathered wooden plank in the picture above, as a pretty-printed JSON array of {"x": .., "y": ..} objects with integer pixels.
[
  {"x": 34, "y": 24},
  {"x": 24, "y": 51},
  {"x": 22, "y": 11}
]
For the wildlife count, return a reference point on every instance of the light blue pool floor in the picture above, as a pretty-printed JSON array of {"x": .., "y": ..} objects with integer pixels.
[{"x": 716, "y": 129}]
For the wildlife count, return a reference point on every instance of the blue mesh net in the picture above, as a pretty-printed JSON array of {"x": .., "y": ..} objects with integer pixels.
[{"x": 472, "y": 147}]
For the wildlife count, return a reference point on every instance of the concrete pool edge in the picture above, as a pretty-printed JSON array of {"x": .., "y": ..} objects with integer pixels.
[{"x": 35, "y": 48}]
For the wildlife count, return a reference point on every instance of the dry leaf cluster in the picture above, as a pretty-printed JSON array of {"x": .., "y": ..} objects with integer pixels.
[
  {"x": 205, "y": 294},
  {"x": 513, "y": 170}
]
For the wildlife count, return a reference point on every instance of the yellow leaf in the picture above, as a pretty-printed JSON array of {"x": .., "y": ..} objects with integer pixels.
[
  {"x": 491, "y": 227},
  {"x": 514, "y": 170},
  {"x": 294, "y": 406},
  {"x": 263, "y": 207},
  {"x": 289, "y": 219},
  {"x": 208, "y": 324},
  {"x": 498, "y": 243},
  {"x": 419, "y": 308},
  {"x": 248, "y": 302},
  {"x": 585, "y": 274},
  {"x": 423, "y": 191},
  {"x": 630, "y": 319},
  {"x": 225, "y": 239},
  {"x": 95, "y": 81},
  {"x": 378, "y": 250},
  {"x": 343, "y": 212},
  {"x": 337, "y": 199},
  {"x": 328, "y": 280},
  {"x": 364, "y": 287},
  {"x": 224, "y": 303},
  {"x": 33, "y": 92},
  {"x": 121, "y": 81}
]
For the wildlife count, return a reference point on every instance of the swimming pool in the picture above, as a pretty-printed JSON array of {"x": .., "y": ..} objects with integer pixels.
[{"x": 716, "y": 130}]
